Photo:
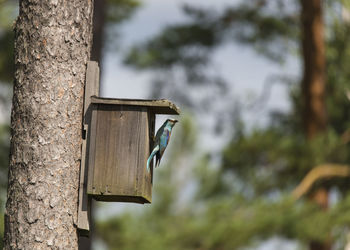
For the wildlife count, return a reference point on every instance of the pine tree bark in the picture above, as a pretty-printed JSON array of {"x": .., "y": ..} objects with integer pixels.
[
  {"x": 313, "y": 88},
  {"x": 52, "y": 47}
]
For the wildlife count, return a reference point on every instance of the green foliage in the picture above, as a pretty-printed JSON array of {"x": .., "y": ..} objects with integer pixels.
[
  {"x": 6, "y": 56},
  {"x": 267, "y": 158},
  {"x": 338, "y": 54},
  {"x": 210, "y": 182},
  {"x": 229, "y": 223},
  {"x": 119, "y": 11},
  {"x": 7, "y": 15},
  {"x": 4, "y": 157}
]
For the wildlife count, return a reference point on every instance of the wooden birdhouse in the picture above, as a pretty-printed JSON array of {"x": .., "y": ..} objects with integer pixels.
[
  {"x": 121, "y": 140},
  {"x": 118, "y": 138}
]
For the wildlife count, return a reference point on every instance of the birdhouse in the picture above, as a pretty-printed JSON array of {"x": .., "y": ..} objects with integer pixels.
[
  {"x": 117, "y": 140},
  {"x": 120, "y": 142}
]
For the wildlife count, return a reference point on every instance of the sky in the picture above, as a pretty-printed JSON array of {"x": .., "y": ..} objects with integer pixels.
[{"x": 232, "y": 61}]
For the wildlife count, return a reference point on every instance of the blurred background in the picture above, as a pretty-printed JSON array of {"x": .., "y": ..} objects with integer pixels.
[{"x": 260, "y": 157}]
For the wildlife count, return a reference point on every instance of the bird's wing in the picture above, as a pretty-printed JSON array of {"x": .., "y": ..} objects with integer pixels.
[
  {"x": 163, "y": 143},
  {"x": 159, "y": 134},
  {"x": 158, "y": 157}
]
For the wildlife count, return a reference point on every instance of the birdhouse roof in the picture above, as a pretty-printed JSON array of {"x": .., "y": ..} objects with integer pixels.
[{"x": 162, "y": 106}]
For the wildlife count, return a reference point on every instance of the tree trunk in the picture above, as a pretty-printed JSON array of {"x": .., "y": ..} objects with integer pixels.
[
  {"x": 313, "y": 83},
  {"x": 52, "y": 47},
  {"x": 313, "y": 88}
]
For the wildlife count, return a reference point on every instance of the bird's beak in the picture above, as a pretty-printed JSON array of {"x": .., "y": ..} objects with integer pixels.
[{"x": 175, "y": 121}]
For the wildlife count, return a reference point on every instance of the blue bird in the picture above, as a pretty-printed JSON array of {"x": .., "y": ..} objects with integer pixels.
[{"x": 161, "y": 141}]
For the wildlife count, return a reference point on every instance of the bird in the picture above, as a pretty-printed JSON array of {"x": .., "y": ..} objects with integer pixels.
[{"x": 161, "y": 141}]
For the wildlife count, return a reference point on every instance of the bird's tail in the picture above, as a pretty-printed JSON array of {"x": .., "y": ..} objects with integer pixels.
[{"x": 155, "y": 150}]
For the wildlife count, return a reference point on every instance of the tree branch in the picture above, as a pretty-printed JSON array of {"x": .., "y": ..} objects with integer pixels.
[{"x": 320, "y": 172}]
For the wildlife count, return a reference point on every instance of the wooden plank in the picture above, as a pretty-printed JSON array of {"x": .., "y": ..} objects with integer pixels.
[
  {"x": 162, "y": 106},
  {"x": 92, "y": 86},
  {"x": 121, "y": 198},
  {"x": 91, "y": 149},
  {"x": 143, "y": 178},
  {"x": 121, "y": 151}
]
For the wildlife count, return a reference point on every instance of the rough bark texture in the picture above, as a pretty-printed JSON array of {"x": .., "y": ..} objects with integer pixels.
[
  {"x": 313, "y": 88},
  {"x": 52, "y": 47}
]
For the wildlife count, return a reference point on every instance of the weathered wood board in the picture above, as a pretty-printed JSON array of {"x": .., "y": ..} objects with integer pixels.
[
  {"x": 119, "y": 148},
  {"x": 158, "y": 107},
  {"x": 121, "y": 138},
  {"x": 92, "y": 87}
]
